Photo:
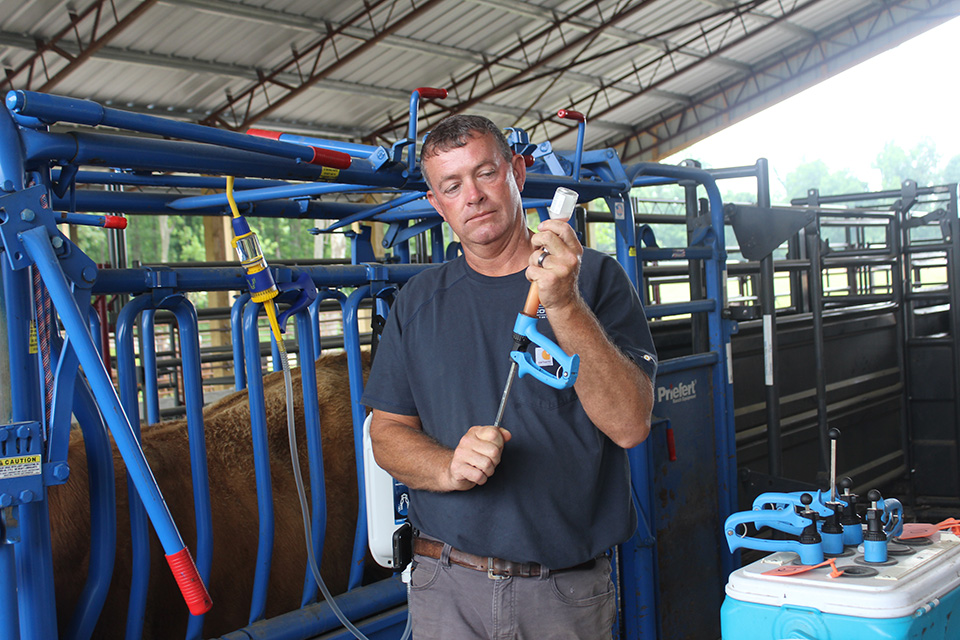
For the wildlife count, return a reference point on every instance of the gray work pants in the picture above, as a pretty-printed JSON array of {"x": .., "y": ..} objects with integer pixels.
[{"x": 450, "y": 602}]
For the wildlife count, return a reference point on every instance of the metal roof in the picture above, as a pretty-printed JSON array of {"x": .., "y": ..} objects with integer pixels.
[{"x": 652, "y": 76}]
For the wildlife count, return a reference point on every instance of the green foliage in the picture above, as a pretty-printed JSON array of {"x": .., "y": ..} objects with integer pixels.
[
  {"x": 920, "y": 164},
  {"x": 817, "y": 175}
]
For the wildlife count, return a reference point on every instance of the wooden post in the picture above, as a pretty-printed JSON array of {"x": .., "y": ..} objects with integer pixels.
[{"x": 216, "y": 238}]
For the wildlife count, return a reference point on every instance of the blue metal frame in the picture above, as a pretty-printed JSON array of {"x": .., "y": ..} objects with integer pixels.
[{"x": 28, "y": 148}]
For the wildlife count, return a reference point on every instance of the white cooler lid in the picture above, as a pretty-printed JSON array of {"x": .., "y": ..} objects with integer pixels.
[{"x": 897, "y": 591}]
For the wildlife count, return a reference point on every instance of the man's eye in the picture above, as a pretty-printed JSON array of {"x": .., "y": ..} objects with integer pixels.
[{"x": 451, "y": 189}]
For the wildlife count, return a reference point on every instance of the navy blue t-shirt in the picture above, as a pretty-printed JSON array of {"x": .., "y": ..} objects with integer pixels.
[{"x": 561, "y": 493}]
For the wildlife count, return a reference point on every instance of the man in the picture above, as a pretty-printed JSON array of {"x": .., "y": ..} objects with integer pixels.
[{"x": 513, "y": 522}]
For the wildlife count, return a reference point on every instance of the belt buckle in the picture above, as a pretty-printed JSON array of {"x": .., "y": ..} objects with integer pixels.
[{"x": 490, "y": 570}]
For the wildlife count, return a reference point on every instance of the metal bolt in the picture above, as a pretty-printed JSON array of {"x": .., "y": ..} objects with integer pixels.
[
  {"x": 26, "y": 496},
  {"x": 57, "y": 242},
  {"x": 61, "y": 471},
  {"x": 6, "y": 499},
  {"x": 27, "y": 215},
  {"x": 7, "y": 186},
  {"x": 89, "y": 273}
]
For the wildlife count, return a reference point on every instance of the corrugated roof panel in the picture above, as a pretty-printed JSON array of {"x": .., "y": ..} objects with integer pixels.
[{"x": 184, "y": 55}]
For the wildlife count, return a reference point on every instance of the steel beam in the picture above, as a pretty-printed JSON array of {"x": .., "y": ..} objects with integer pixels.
[
  {"x": 883, "y": 26},
  {"x": 92, "y": 16},
  {"x": 289, "y": 92}
]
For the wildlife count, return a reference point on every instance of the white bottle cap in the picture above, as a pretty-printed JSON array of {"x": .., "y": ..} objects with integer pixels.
[{"x": 564, "y": 200}]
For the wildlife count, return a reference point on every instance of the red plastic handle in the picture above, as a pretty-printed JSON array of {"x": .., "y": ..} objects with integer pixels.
[
  {"x": 188, "y": 579},
  {"x": 568, "y": 114},
  {"x": 263, "y": 133},
  {"x": 330, "y": 158},
  {"x": 528, "y": 161},
  {"x": 321, "y": 156},
  {"x": 431, "y": 93},
  {"x": 114, "y": 222},
  {"x": 671, "y": 445}
]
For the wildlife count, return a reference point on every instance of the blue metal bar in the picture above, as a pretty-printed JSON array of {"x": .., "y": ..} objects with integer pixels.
[
  {"x": 94, "y": 321},
  {"x": 369, "y": 213},
  {"x": 322, "y": 294},
  {"x": 318, "y": 619},
  {"x": 51, "y": 109},
  {"x": 148, "y": 357},
  {"x": 351, "y": 342},
  {"x": 639, "y": 555},
  {"x": 136, "y": 203},
  {"x": 139, "y": 530},
  {"x": 148, "y": 154},
  {"x": 186, "y": 315},
  {"x": 9, "y": 614},
  {"x": 356, "y": 150},
  {"x": 144, "y": 279},
  {"x": 37, "y": 244},
  {"x": 236, "y": 333},
  {"x": 64, "y": 380},
  {"x": 103, "y": 514},
  {"x": 164, "y": 180},
  {"x": 267, "y": 193},
  {"x": 318, "y": 497},
  {"x": 261, "y": 460},
  {"x": 34, "y": 570},
  {"x": 12, "y": 154}
]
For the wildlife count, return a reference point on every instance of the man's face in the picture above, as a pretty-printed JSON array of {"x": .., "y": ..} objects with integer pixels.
[{"x": 476, "y": 191}]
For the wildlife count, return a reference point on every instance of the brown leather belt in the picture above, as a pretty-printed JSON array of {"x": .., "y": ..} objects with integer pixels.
[{"x": 495, "y": 567}]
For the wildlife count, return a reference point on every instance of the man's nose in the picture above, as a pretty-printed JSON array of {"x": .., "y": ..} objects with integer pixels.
[{"x": 473, "y": 192}]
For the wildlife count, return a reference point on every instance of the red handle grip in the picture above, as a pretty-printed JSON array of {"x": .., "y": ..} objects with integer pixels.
[
  {"x": 329, "y": 158},
  {"x": 528, "y": 161},
  {"x": 671, "y": 445},
  {"x": 568, "y": 114},
  {"x": 263, "y": 133},
  {"x": 188, "y": 579},
  {"x": 431, "y": 93},
  {"x": 114, "y": 222},
  {"x": 321, "y": 156}
]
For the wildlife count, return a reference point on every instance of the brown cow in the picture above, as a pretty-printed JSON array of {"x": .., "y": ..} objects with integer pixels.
[{"x": 233, "y": 496}]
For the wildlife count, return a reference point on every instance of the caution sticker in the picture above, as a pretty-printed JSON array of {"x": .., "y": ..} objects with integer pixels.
[
  {"x": 32, "y": 348},
  {"x": 20, "y": 466},
  {"x": 329, "y": 173}
]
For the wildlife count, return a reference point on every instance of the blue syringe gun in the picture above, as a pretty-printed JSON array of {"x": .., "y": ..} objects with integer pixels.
[
  {"x": 890, "y": 509},
  {"x": 808, "y": 547},
  {"x": 525, "y": 328}
]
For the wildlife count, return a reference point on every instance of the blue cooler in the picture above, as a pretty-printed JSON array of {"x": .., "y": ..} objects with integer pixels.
[{"x": 913, "y": 595}]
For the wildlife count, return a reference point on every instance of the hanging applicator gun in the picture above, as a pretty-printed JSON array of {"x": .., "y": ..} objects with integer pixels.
[{"x": 525, "y": 328}]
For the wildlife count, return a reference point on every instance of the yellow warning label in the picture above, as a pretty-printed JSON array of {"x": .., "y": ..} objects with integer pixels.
[
  {"x": 632, "y": 252},
  {"x": 329, "y": 173},
  {"x": 33, "y": 337},
  {"x": 20, "y": 466}
]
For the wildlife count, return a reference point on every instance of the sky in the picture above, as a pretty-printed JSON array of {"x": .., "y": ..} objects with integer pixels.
[{"x": 903, "y": 94}]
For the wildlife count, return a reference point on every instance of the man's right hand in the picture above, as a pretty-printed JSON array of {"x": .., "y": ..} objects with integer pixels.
[{"x": 476, "y": 456}]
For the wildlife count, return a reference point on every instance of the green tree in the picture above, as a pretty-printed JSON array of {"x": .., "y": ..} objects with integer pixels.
[
  {"x": 816, "y": 174},
  {"x": 951, "y": 173},
  {"x": 897, "y": 164}
]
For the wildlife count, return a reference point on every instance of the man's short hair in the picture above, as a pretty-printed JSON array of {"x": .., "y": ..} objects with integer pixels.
[{"x": 454, "y": 131}]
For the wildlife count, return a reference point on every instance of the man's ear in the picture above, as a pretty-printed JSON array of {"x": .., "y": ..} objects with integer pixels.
[
  {"x": 519, "y": 166},
  {"x": 432, "y": 199}
]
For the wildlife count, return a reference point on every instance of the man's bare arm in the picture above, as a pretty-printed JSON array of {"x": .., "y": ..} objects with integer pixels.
[{"x": 420, "y": 462}]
